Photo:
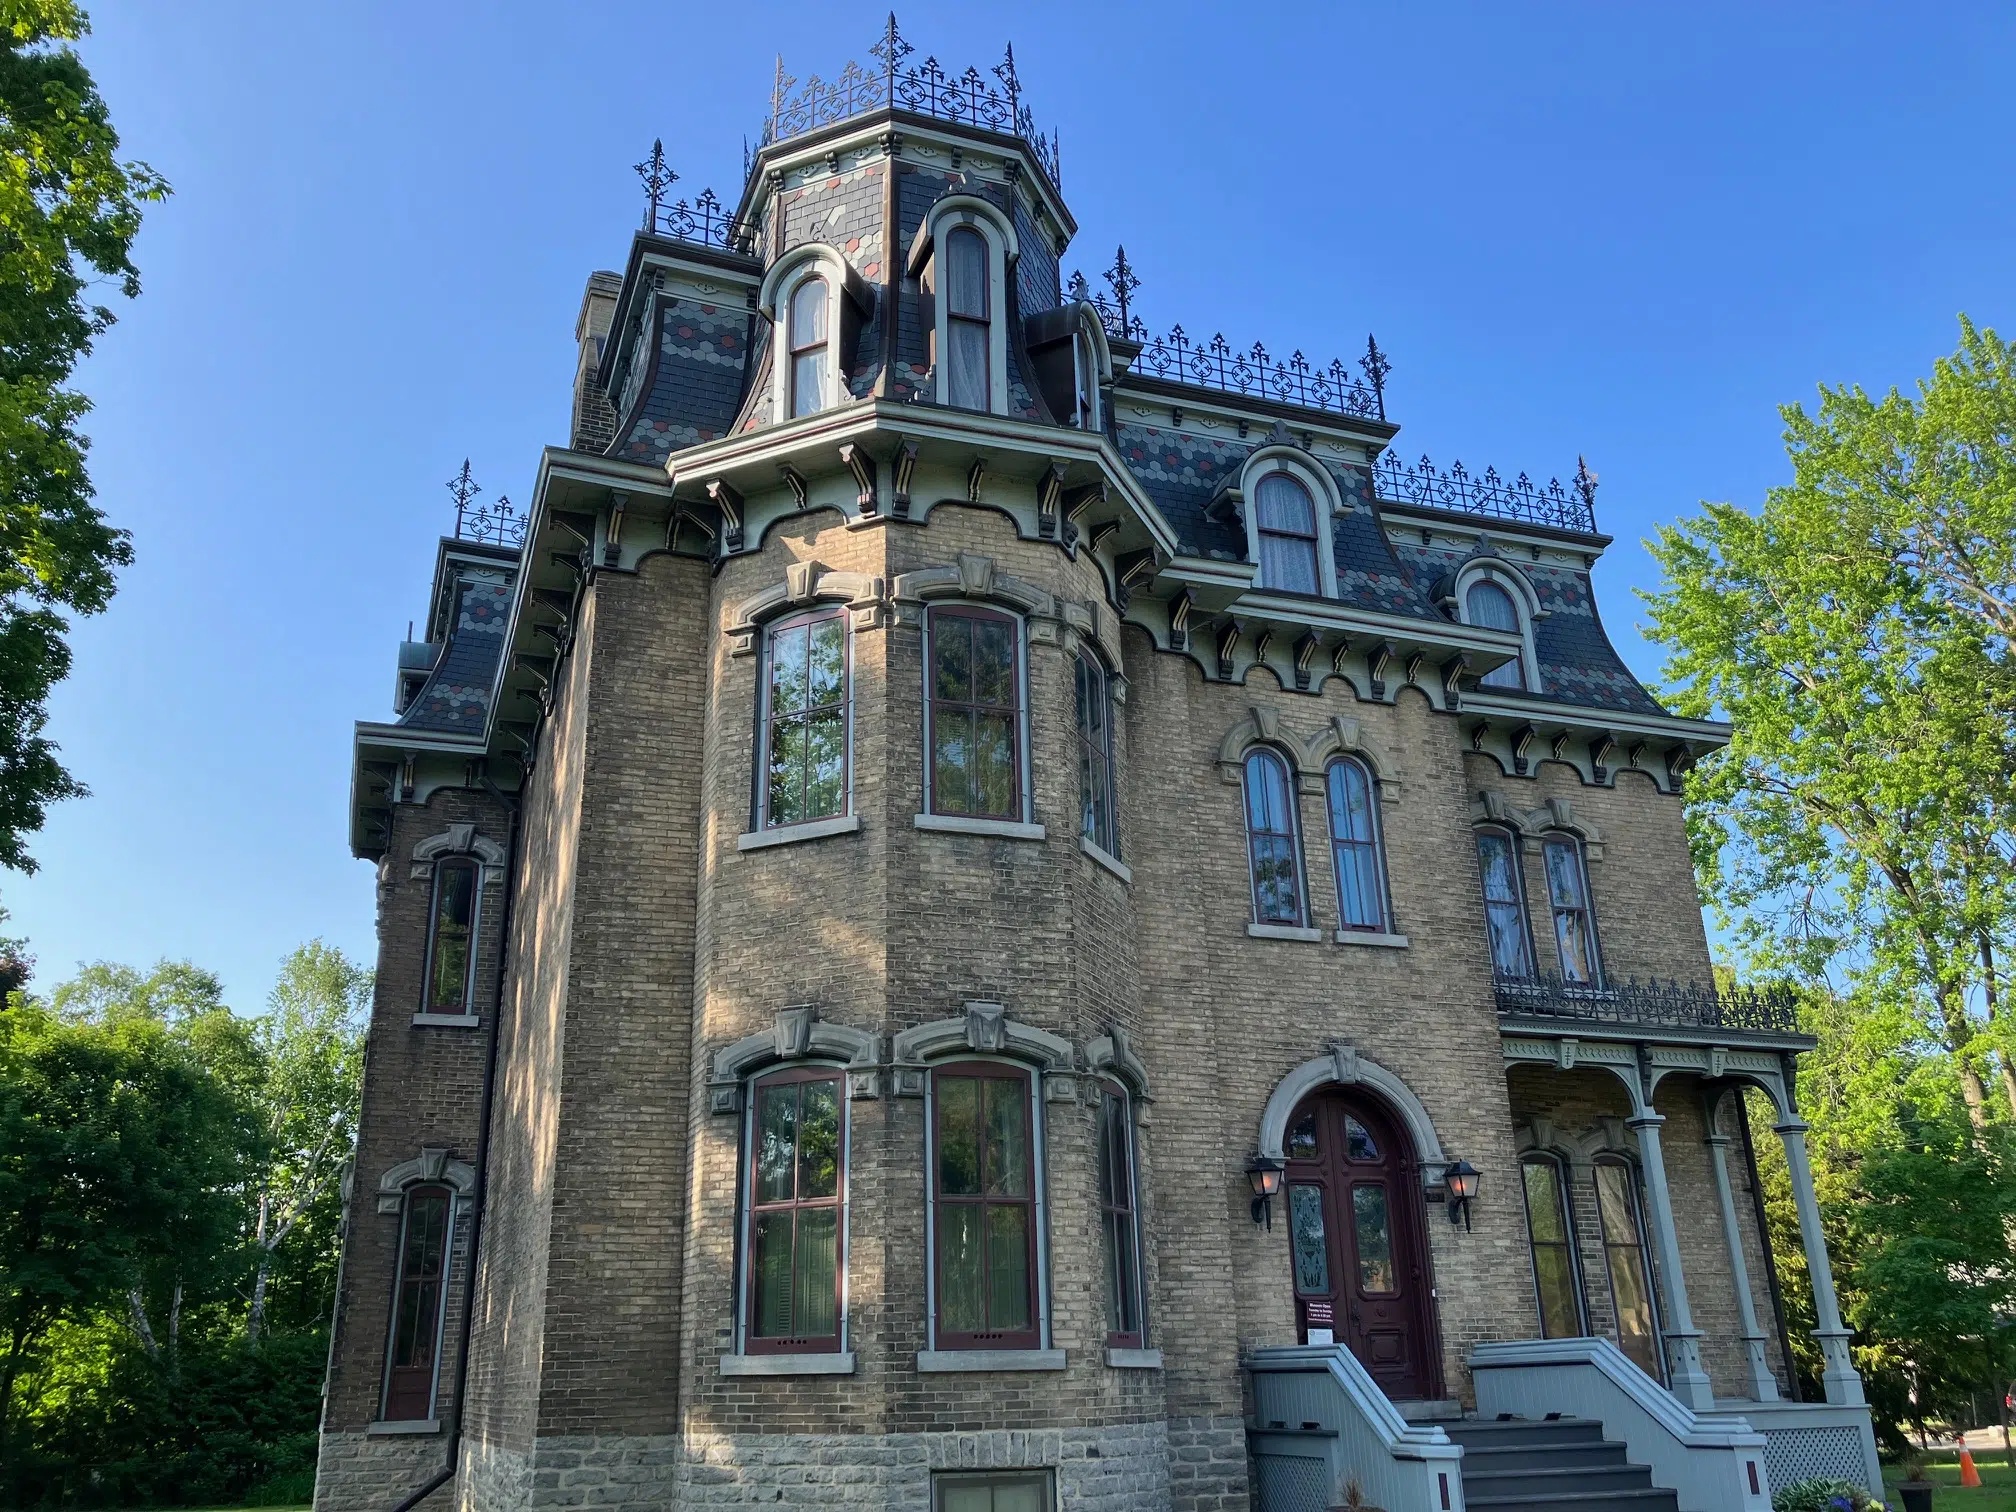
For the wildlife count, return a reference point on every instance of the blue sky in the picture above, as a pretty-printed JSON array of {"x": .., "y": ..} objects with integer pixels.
[{"x": 1625, "y": 230}]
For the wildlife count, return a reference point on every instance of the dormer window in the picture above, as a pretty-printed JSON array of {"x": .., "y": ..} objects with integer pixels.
[
  {"x": 968, "y": 320},
  {"x": 1490, "y": 606},
  {"x": 1084, "y": 381},
  {"x": 1286, "y": 519},
  {"x": 810, "y": 349}
]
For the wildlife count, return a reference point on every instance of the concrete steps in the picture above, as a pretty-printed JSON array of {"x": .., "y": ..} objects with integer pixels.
[{"x": 1538, "y": 1464}]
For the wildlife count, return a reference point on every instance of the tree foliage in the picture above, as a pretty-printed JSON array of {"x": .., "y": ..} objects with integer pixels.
[
  {"x": 69, "y": 211},
  {"x": 1856, "y": 630}
]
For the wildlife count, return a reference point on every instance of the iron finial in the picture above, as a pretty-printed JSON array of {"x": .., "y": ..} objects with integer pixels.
[
  {"x": 892, "y": 50},
  {"x": 658, "y": 177},
  {"x": 1585, "y": 484},
  {"x": 462, "y": 487},
  {"x": 779, "y": 88},
  {"x": 1005, "y": 72},
  {"x": 1121, "y": 280},
  {"x": 1376, "y": 368}
]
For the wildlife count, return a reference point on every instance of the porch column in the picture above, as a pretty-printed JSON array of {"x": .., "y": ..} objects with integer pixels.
[
  {"x": 1763, "y": 1385},
  {"x": 1838, "y": 1375},
  {"x": 1683, "y": 1339}
]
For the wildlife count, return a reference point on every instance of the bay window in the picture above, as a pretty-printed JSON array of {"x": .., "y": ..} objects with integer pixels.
[
  {"x": 975, "y": 713},
  {"x": 983, "y": 1189},
  {"x": 797, "y": 1195},
  {"x": 805, "y": 720}
]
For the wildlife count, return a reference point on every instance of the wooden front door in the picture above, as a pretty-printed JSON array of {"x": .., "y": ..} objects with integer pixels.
[{"x": 1356, "y": 1241}]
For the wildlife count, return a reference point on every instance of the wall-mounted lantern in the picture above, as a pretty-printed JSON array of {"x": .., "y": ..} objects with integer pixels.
[
  {"x": 1462, "y": 1178},
  {"x": 1264, "y": 1172}
]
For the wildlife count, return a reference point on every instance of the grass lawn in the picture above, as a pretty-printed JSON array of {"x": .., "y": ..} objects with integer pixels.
[{"x": 1997, "y": 1493}]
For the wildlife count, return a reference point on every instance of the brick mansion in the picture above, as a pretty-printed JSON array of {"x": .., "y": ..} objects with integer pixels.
[{"x": 983, "y": 910}]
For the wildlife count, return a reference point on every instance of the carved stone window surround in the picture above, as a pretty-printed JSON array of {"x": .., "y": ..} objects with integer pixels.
[
  {"x": 799, "y": 1034},
  {"x": 806, "y": 583},
  {"x": 985, "y": 1029},
  {"x": 432, "y": 1164},
  {"x": 458, "y": 839}
]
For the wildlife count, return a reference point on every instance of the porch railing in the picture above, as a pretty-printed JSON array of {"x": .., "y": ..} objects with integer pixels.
[{"x": 1654, "y": 1004}]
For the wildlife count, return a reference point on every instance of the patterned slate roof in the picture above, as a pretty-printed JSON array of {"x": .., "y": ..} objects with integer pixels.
[
  {"x": 695, "y": 381},
  {"x": 456, "y": 699}
]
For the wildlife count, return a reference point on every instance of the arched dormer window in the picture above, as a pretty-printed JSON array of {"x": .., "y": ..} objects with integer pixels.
[
  {"x": 1072, "y": 360},
  {"x": 1272, "y": 844},
  {"x": 1355, "y": 846},
  {"x": 451, "y": 938},
  {"x": 1084, "y": 380},
  {"x": 1492, "y": 594},
  {"x": 1490, "y": 606},
  {"x": 807, "y": 335},
  {"x": 1285, "y": 516},
  {"x": 962, "y": 256},
  {"x": 969, "y": 321}
]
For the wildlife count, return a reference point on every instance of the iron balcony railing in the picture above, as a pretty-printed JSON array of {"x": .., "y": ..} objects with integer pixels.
[
  {"x": 1485, "y": 493},
  {"x": 1652, "y": 1004},
  {"x": 497, "y": 524}
]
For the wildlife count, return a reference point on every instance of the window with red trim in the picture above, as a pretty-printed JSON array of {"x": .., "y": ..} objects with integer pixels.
[
  {"x": 984, "y": 1200},
  {"x": 1118, "y": 1219},
  {"x": 797, "y": 1196},
  {"x": 975, "y": 712},
  {"x": 413, "y": 1349},
  {"x": 805, "y": 719}
]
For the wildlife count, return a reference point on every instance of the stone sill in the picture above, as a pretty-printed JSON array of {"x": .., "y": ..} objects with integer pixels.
[
  {"x": 1106, "y": 859},
  {"x": 446, "y": 1020},
  {"x": 959, "y": 1361},
  {"x": 959, "y": 824},
  {"x": 1283, "y": 932},
  {"x": 1133, "y": 1359},
  {"x": 791, "y": 834},
  {"x": 414, "y": 1425},
  {"x": 788, "y": 1364},
  {"x": 1371, "y": 937}
]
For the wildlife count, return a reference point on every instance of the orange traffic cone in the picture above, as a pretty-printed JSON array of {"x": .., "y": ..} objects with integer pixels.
[{"x": 1969, "y": 1476}]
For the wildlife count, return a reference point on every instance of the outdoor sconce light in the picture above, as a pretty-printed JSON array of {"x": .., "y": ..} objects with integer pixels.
[
  {"x": 1264, "y": 1171},
  {"x": 1462, "y": 1179}
]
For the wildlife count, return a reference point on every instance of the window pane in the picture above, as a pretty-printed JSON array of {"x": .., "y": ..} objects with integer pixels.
[
  {"x": 1374, "y": 1235},
  {"x": 1312, "y": 1253},
  {"x": 1007, "y": 1138},
  {"x": 1554, "y": 1274},
  {"x": 994, "y": 662},
  {"x": 1613, "y": 1200},
  {"x": 966, "y": 274},
  {"x": 816, "y": 1298},
  {"x": 787, "y": 670},
  {"x": 826, "y": 662},
  {"x": 1494, "y": 858},
  {"x": 958, "y": 1136},
  {"x": 819, "y": 1140},
  {"x": 1578, "y": 960},
  {"x": 966, "y": 373},
  {"x": 1359, "y": 895},
  {"x": 1276, "y": 895},
  {"x": 1350, "y": 802},
  {"x": 1110, "y": 1194},
  {"x": 1123, "y": 1311},
  {"x": 454, "y": 920},
  {"x": 951, "y": 760},
  {"x": 808, "y": 382},
  {"x": 969, "y": 1499},
  {"x": 961, "y": 1299},
  {"x": 825, "y": 765},
  {"x": 776, "y": 1141},
  {"x": 952, "y": 656},
  {"x": 1302, "y": 1138},
  {"x": 787, "y": 771},
  {"x": 1284, "y": 504},
  {"x": 1564, "y": 875},
  {"x": 1288, "y": 563},
  {"x": 1027, "y": 1497},
  {"x": 772, "y": 1233},
  {"x": 993, "y": 779},
  {"x": 1544, "y": 1218},
  {"x": 1008, "y": 1266},
  {"x": 808, "y": 314},
  {"x": 1491, "y": 607},
  {"x": 1358, "y": 1141}
]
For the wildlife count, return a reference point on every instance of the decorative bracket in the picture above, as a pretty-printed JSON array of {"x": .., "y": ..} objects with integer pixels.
[
  {"x": 1049, "y": 501},
  {"x": 1521, "y": 738},
  {"x": 1452, "y": 679},
  {"x": 1228, "y": 646},
  {"x": 1599, "y": 757},
  {"x": 1180, "y": 609},
  {"x": 901, "y": 468},
  {"x": 793, "y": 480},
  {"x": 728, "y": 500},
  {"x": 612, "y": 549},
  {"x": 862, "y": 466},
  {"x": 976, "y": 475},
  {"x": 1305, "y": 652},
  {"x": 1375, "y": 664}
]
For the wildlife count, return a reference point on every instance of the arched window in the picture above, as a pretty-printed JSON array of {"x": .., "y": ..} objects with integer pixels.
[
  {"x": 451, "y": 938},
  {"x": 412, "y": 1355},
  {"x": 1286, "y": 518},
  {"x": 1490, "y": 606},
  {"x": 805, "y": 719},
  {"x": 810, "y": 358},
  {"x": 1084, "y": 380},
  {"x": 1624, "y": 1255},
  {"x": 975, "y": 713},
  {"x": 968, "y": 320},
  {"x": 1504, "y": 904},
  {"x": 1270, "y": 839},
  {"x": 1354, "y": 846},
  {"x": 1574, "y": 922},
  {"x": 1552, "y": 1235},
  {"x": 797, "y": 1194},
  {"x": 1118, "y": 1218},
  {"x": 983, "y": 1188},
  {"x": 1095, "y": 756}
]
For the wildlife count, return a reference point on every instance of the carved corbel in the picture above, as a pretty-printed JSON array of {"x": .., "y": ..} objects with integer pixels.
[
  {"x": 1414, "y": 664},
  {"x": 1521, "y": 738},
  {"x": 1376, "y": 660},
  {"x": 1600, "y": 750},
  {"x": 612, "y": 549},
  {"x": 729, "y": 501},
  {"x": 976, "y": 476},
  {"x": 1559, "y": 749},
  {"x": 1635, "y": 756},
  {"x": 1077, "y": 504},
  {"x": 902, "y": 467},
  {"x": 578, "y": 525},
  {"x": 1452, "y": 679},
  {"x": 1679, "y": 762},
  {"x": 1305, "y": 652},
  {"x": 1049, "y": 501},
  {"x": 1228, "y": 646},
  {"x": 862, "y": 466},
  {"x": 1263, "y": 643},
  {"x": 1180, "y": 609},
  {"x": 795, "y": 481},
  {"x": 1340, "y": 654}
]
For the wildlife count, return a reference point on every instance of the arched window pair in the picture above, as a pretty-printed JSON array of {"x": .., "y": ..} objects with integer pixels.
[
  {"x": 1274, "y": 844},
  {"x": 1505, "y": 920},
  {"x": 1557, "y": 1267},
  {"x": 986, "y": 1210}
]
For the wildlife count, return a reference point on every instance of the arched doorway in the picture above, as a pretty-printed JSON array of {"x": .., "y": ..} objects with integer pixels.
[{"x": 1357, "y": 1249}]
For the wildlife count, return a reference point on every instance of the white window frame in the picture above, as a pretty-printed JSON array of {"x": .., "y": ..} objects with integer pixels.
[
  {"x": 1090, "y": 359},
  {"x": 1322, "y": 490},
  {"x": 812, "y": 260},
  {"x": 1525, "y": 605},
  {"x": 997, "y": 233}
]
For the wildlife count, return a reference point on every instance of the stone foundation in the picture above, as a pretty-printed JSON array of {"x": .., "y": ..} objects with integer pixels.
[
  {"x": 492, "y": 1477},
  {"x": 374, "y": 1472},
  {"x": 1207, "y": 1465}
]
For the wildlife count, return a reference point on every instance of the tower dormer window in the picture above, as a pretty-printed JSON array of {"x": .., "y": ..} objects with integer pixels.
[
  {"x": 810, "y": 348},
  {"x": 1084, "y": 381},
  {"x": 1490, "y": 606},
  {"x": 968, "y": 320},
  {"x": 1287, "y": 529}
]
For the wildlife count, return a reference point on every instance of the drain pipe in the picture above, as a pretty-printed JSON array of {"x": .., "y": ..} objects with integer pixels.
[{"x": 515, "y": 807}]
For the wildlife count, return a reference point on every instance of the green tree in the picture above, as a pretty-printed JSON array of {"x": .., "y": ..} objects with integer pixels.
[
  {"x": 1858, "y": 827},
  {"x": 312, "y": 1043},
  {"x": 117, "y": 1146},
  {"x": 69, "y": 211}
]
